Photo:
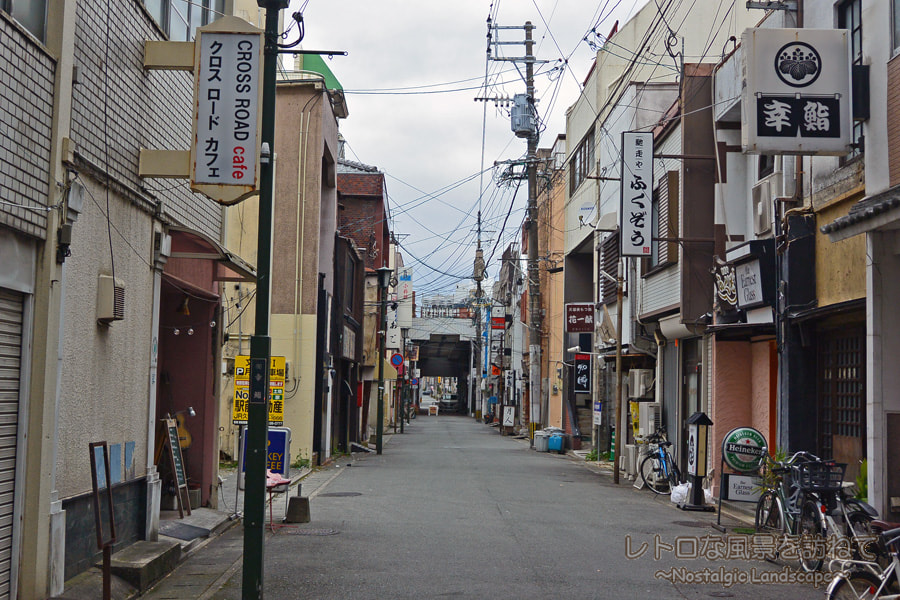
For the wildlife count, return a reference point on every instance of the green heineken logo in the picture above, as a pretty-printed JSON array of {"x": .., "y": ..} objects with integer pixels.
[{"x": 742, "y": 449}]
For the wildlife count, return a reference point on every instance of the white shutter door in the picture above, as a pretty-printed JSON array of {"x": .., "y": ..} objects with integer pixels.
[{"x": 11, "y": 310}]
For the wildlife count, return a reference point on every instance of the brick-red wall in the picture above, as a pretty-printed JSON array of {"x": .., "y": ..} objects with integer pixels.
[
  {"x": 361, "y": 220},
  {"x": 361, "y": 215},
  {"x": 893, "y": 119},
  {"x": 361, "y": 184}
]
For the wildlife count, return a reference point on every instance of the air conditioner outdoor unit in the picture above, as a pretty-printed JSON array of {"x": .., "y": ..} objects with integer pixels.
[
  {"x": 110, "y": 299},
  {"x": 650, "y": 418},
  {"x": 629, "y": 460},
  {"x": 764, "y": 193},
  {"x": 640, "y": 383}
]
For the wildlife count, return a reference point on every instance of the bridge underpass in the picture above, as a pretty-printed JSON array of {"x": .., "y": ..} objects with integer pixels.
[{"x": 445, "y": 350}]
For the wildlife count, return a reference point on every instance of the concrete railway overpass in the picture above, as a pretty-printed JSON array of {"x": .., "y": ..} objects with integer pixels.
[{"x": 446, "y": 350}]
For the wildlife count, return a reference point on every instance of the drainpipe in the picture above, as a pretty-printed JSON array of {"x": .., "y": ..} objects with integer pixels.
[
  {"x": 154, "y": 484},
  {"x": 73, "y": 205}
]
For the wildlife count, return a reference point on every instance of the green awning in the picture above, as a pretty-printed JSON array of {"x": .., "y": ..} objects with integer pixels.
[{"x": 317, "y": 64}]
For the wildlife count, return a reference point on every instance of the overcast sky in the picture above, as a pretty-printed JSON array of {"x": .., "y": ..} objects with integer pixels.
[{"x": 411, "y": 76}]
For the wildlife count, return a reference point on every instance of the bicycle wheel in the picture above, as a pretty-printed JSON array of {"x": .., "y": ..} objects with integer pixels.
[
  {"x": 769, "y": 514},
  {"x": 653, "y": 475},
  {"x": 858, "y": 585},
  {"x": 811, "y": 543},
  {"x": 674, "y": 472}
]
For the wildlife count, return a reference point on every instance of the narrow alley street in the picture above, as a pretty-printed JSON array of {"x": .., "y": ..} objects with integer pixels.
[{"x": 453, "y": 509}]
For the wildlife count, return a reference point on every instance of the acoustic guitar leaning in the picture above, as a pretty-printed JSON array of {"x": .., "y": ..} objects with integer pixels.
[{"x": 184, "y": 436}]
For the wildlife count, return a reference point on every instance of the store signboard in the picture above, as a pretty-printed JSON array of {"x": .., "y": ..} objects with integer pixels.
[
  {"x": 796, "y": 97},
  {"x": 582, "y": 373},
  {"x": 227, "y": 119},
  {"x": 579, "y": 317},
  {"x": 277, "y": 372},
  {"x": 636, "y": 193}
]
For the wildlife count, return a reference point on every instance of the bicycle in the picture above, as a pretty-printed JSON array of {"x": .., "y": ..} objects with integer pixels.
[
  {"x": 866, "y": 580},
  {"x": 843, "y": 521},
  {"x": 658, "y": 469},
  {"x": 807, "y": 500},
  {"x": 779, "y": 510}
]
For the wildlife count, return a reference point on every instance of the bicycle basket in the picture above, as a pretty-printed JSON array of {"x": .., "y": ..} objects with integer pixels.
[{"x": 819, "y": 476}]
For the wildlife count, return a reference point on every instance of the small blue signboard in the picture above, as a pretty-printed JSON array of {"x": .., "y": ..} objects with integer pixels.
[
  {"x": 414, "y": 381},
  {"x": 396, "y": 359},
  {"x": 278, "y": 451}
]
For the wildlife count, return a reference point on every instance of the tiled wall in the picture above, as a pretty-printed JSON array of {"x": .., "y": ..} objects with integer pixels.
[
  {"x": 142, "y": 109},
  {"x": 26, "y": 109}
]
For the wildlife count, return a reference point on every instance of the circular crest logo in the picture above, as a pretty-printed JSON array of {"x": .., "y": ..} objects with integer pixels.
[
  {"x": 742, "y": 449},
  {"x": 798, "y": 64}
]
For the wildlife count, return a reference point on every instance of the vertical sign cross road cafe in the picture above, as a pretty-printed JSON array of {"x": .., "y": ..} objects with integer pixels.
[
  {"x": 227, "y": 119},
  {"x": 223, "y": 160},
  {"x": 242, "y": 390}
]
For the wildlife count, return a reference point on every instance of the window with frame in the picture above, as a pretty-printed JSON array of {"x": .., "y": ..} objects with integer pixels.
[
  {"x": 582, "y": 162},
  {"x": 895, "y": 24},
  {"x": 850, "y": 18},
  {"x": 181, "y": 18},
  {"x": 30, "y": 14},
  {"x": 765, "y": 165},
  {"x": 664, "y": 222},
  {"x": 350, "y": 282},
  {"x": 609, "y": 262},
  {"x": 841, "y": 366}
]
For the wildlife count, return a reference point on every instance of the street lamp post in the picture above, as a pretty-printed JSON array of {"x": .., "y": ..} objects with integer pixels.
[
  {"x": 261, "y": 342},
  {"x": 384, "y": 279}
]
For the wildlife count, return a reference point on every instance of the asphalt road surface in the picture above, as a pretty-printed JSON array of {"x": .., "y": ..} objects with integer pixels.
[{"x": 452, "y": 509}]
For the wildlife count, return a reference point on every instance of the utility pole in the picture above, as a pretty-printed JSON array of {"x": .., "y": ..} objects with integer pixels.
[
  {"x": 534, "y": 309},
  {"x": 478, "y": 275},
  {"x": 525, "y": 125},
  {"x": 403, "y": 380},
  {"x": 384, "y": 274},
  {"x": 620, "y": 412},
  {"x": 261, "y": 342}
]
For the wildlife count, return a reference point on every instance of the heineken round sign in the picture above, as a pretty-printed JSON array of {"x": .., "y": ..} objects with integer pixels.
[{"x": 742, "y": 449}]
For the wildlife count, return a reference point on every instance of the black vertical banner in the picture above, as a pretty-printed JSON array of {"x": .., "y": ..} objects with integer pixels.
[{"x": 582, "y": 373}]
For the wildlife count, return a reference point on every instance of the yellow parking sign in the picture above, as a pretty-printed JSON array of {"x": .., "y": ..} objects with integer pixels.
[{"x": 277, "y": 373}]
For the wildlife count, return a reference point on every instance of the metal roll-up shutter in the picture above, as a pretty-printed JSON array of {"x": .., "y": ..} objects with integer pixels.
[{"x": 11, "y": 312}]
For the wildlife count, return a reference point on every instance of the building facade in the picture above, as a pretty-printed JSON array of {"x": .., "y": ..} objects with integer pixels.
[{"x": 113, "y": 298}]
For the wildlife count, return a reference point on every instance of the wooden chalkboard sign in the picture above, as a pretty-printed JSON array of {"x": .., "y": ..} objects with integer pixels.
[{"x": 169, "y": 445}]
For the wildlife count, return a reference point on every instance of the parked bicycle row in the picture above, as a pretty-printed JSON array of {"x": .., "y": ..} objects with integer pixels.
[{"x": 805, "y": 505}]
